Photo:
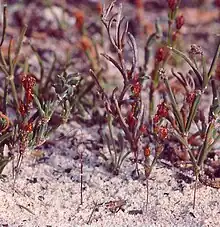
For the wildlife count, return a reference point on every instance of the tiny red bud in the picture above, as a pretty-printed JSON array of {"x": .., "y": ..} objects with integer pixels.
[
  {"x": 28, "y": 81},
  {"x": 174, "y": 36},
  {"x": 22, "y": 109},
  {"x": 160, "y": 55},
  {"x": 29, "y": 96},
  {"x": 79, "y": 15},
  {"x": 179, "y": 22},
  {"x": 147, "y": 151},
  {"x": 136, "y": 89},
  {"x": 156, "y": 118},
  {"x": 162, "y": 110},
  {"x": 163, "y": 132},
  {"x": 172, "y": 4},
  {"x": 131, "y": 121},
  {"x": 143, "y": 129},
  {"x": 28, "y": 127}
]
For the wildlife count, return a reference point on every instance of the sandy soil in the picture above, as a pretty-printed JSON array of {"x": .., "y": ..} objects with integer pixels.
[{"x": 47, "y": 192}]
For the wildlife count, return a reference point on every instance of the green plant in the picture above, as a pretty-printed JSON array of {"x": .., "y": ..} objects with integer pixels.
[
  {"x": 25, "y": 116},
  {"x": 183, "y": 117},
  {"x": 128, "y": 98}
]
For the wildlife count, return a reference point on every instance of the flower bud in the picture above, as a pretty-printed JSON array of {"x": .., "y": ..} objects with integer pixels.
[
  {"x": 172, "y": 4},
  {"x": 179, "y": 22},
  {"x": 160, "y": 55}
]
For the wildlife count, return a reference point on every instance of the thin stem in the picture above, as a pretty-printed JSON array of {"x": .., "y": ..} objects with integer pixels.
[
  {"x": 81, "y": 177},
  {"x": 4, "y": 23},
  {"x": 214, "y": 61},
  {"x": 195, "y": 189},
  {"x": 112, "y": 139}
]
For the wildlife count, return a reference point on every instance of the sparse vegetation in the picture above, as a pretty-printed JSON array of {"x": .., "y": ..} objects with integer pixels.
[{"x": 147, "y": 101}]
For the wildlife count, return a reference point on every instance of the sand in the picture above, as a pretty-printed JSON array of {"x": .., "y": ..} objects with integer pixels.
[{"x": 47, "y": 192}]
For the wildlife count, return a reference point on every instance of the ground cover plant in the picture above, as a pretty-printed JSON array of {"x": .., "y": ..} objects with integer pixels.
[{"x": 151, "y": 109}]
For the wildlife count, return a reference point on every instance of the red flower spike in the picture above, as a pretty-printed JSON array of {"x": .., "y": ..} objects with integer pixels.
[
  {"x": 162, "y": 110},
  {"x": 172, "y": 4},
  {"x": 143, "y": 129},
  {"x": 174, "y": 36},
  {"x": 131, "y": 121},
  {"x": 163, "y": 132},
  {"x": 217, "y": 3},
  {"x": 79, "y": 15},
  {"x": 147, "y": 151},
  {"x": 28, "y": 81},
  {"x": 29, "y": 96},
  {"x": 136, "y": 89},
  {"x": 22, "y": 108},
  {"x": 29, "y": 127},
  {"x": 156, "y": 118},
  {"x": 179, "y": 22},
  {"x": 160, "y": 55}
]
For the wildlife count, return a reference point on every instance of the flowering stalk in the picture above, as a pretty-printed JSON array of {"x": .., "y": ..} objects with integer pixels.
[
  {"x": 193, "y": 99},
  {"x": 131, "y": 122}
]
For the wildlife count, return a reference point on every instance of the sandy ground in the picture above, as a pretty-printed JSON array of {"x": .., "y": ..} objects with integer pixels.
[{"x": 47, "y": 193}]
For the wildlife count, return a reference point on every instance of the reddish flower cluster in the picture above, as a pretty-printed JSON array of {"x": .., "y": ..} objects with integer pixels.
[
  {"x": 143, "y": 129},
  {"x": 79, "y": 15},
  {"x": 160, "y": 55},
  {"x": 28, "y": 127},
  {"x": 147, "y": 151},
  {"x": 163, "y": 132},
  {"x": 28, "y": 81},
  {"x": 22, "y": 108},
  {"x": 172, "y": 4},
  {"x": 179, "y": 22},
  {"x": 136, "y": 87},
  {"x": 162, "y": 111},
  {"x": 131, "y": 120}
]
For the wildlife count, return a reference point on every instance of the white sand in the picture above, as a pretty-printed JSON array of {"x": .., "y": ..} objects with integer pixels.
[{"x": 54, "y": 199}]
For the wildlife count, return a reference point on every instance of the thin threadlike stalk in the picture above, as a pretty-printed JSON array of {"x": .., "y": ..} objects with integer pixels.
[
  {"x": 195, "y": 190},
  {"x": 81, "y": 177}
]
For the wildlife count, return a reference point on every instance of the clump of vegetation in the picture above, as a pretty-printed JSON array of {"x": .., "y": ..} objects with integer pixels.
[
  {"x": 175, "y": 117},
  {"x": 144, "y": 115},
  {"x": 25, "y": 114}
]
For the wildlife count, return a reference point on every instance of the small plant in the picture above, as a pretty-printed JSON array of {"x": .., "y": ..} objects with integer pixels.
[
  {"x": 181, "y": 118},
  {"x": 25, "y": 115},
  {"x": 124, "y": 107}
]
